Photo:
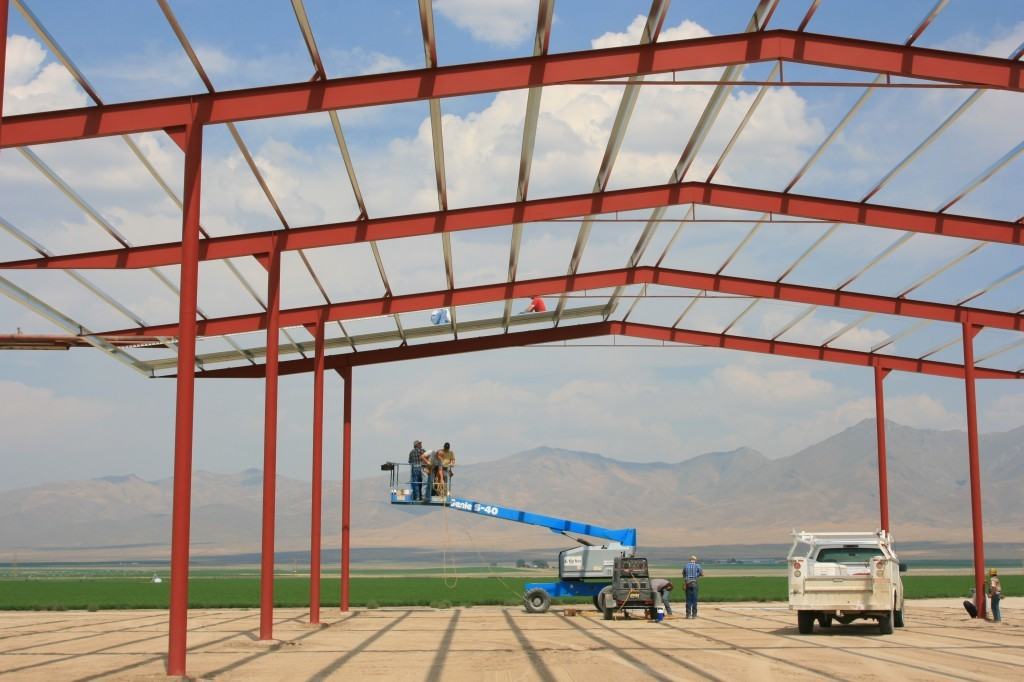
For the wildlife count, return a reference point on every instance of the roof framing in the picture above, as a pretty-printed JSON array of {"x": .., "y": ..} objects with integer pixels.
[
  {"x": 468, "y": 79},
  {"x": 537, "y": 210},
  {"x": 611, "y": 328},
  {"x": 433, "y": 83},
  {"x": 680, "y": 279}
]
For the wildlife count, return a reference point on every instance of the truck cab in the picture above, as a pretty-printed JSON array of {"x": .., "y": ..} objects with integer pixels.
[{"x": 844, "y": 577}]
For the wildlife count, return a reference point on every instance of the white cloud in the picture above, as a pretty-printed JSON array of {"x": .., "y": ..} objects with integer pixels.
[
  {"x": 505, "y": 23},
  {"x": 29, "y": 86},
  {"x": 686, "y": 30},
  {"x": 776, "y": 388},
  {"x": 35, "y": 419},
  {"x": 1004, "y": 413}
]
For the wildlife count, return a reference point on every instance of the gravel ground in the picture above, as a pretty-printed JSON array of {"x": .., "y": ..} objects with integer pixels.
[{"x": 727, "y": 642}]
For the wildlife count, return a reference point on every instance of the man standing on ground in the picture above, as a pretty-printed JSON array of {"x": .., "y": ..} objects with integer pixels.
[
  {"x": 416, "y": 466},
  {"x": 692, "y": 572},
  {"x": 995, "y": 594},
  {"x": 662, "y": 588}
]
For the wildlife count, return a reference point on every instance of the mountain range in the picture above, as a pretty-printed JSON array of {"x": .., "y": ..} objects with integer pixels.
[{"x": 739, "y": 497}]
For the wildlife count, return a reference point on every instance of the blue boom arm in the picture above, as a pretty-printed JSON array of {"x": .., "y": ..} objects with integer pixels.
[{"x": 623, "y": 536}]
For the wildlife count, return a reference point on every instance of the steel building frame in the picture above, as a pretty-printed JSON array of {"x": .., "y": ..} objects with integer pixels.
[{"x": 185, "y": 118}]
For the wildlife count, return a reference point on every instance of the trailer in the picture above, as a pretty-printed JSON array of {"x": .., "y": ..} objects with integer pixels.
[{"x": 590, "y": 570}]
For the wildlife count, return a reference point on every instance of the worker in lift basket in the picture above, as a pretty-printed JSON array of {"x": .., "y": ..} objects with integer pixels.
[
  {"x": 446, "y": 459},
  {"x": 416, "y": 466},
  {"x": 429, "y": 464}
]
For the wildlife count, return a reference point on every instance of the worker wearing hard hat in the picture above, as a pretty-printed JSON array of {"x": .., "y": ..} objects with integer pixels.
[{"x": 995, "y": 593}]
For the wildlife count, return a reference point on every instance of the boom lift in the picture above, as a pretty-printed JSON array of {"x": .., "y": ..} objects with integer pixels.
[{"x": 583, "y": 571}]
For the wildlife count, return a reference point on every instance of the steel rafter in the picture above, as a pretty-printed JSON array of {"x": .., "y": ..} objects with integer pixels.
[
  {"x": 630, "y": 93},
  {"x": 426, "y": 8},
  {"x": 758, "y": 21},
  {"x": 511, "y": 74},
  {"x": 680, "y": 279},
  {"x": 537, "y": 210},
  {"x": 545, "y": 15},
  {"x": 613, "y": 328}
]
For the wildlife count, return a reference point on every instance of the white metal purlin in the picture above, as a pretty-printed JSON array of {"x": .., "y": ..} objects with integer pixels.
[
  {"x": 545, "y": 14},
  {"x": 758, "y": 20},
  {"x": 302, "y": 18},
  {"x": 243, "y": 148},
  {"x": 655, "y": 19}
]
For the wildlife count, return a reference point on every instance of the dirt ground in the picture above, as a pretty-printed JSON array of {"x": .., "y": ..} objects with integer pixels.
[{"x": 727, "y": 642}]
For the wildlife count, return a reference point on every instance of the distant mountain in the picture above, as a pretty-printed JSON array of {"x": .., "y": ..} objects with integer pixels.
[{"x": 737, "y": 497}]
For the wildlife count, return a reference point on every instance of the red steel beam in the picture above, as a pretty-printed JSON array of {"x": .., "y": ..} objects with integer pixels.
[
  {"x": 684, "y": 279},
  {"x": 346, "y": 487},
  {"x": 512, "y": 74},
  {"x": 185, "y": 405},
  {"x": 270, "y": 449},
  {"x": 316, "y": 494},
  {"x": 631, "y": 329},
  {"x": 977, "y": 527},
  {"x": 538, "y": 210},
  {"x": 4, "y": 13},
  {"x": 883, "y": 466}
]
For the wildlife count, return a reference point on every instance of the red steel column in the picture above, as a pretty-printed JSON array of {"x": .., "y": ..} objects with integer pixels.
[
  {"x": 185, "y": 402},
  {"x": 346, "y": 487},
  {"x": 4, "y": 7},
  {"x": 318, "y": 469},
  {"x": 883, "y": 467},
  {"x": 969, "y": 332},
  {"x": 270, "y": 446}
]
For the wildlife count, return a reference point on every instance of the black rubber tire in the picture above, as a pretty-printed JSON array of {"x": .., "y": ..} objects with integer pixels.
[
  {"x": 897, "y": 619},
  {"x": 805, "y": 622},
  {"x": 825, "y": 620},
  {"x": 597, "y": 602},
  {"x": 537, "y": 600},
  {"x": 885, "y": 623}
]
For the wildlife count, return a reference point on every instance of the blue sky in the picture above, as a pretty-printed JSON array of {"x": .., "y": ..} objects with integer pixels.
[{"x": 78, "y": 414}]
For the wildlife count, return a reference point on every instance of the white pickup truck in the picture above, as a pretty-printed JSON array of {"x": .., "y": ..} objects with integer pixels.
[{"x": 845, "y": 576}]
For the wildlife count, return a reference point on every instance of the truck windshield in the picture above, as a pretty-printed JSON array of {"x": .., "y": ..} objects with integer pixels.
[{"x": 848, "y": 555}]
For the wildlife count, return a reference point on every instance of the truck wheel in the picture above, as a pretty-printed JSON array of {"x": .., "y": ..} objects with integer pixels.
[
  {"x": 825, "y": 620},
  {"x": 537, "y": 600},
  {"x": 897, "y": 619},
  {"x": 805, "y": 622},
  {"x": 602, "y": 601},
  {"x": 885, "y": 623}
]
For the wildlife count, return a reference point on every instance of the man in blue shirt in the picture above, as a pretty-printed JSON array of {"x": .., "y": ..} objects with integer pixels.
[{"x": 691, "y": 573}]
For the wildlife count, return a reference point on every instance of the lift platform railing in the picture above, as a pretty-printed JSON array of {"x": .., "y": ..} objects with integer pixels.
[{"x": 403, "y": 482}]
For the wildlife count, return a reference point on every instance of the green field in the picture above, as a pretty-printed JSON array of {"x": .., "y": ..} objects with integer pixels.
[{"x": 226, "y": 592}]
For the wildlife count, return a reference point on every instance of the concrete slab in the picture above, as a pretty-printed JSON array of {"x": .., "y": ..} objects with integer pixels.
[{"x": 727, "y": 642}]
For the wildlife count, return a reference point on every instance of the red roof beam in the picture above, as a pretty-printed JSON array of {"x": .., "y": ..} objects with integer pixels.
[
  {"x": 630, "y": 329},
  {"x": 537, "y": 210},
  {"x": 512, "y": 74},
  {"x": 489, "y": 293}
]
